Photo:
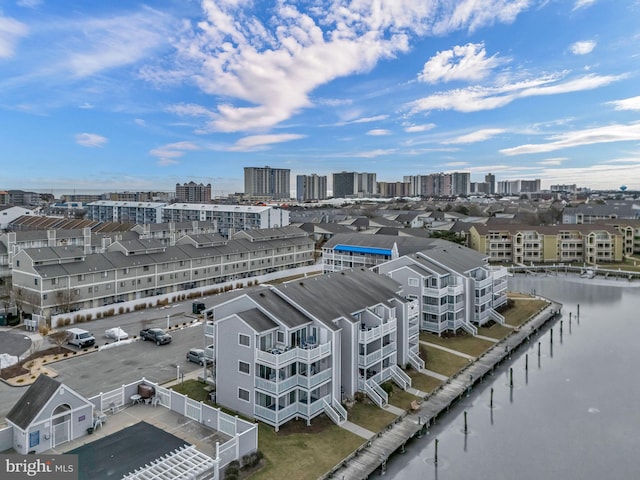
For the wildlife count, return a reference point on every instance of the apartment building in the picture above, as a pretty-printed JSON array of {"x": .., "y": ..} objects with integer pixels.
[
  {"x": 311, "y": 187},
  {"x": 297, "y": 350},
  {"x": 354, "y": 184},
  {"x": 526, "y": 244},
  {"x": 266, "y": 183},
  {"x": 345, "y": 251},
  {"x": 593, "y": 212},
  {"x": 193, "y": 192},
  {"x": 57, "y": 279},
  {"x": 228, "y": 219},
  {"x": 630, "y": 231},
  {"x": 455, "y": 287}
]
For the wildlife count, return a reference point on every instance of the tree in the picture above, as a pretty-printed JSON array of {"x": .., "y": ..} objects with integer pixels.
[
  {"x": 65, "y": 298},
  {"x": 449, "y": 236},
  {"x": 58, "y": 338}
]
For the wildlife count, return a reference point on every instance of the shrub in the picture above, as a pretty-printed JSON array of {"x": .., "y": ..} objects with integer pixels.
[
  {"x": 89, "y": 316},
  {"x": 121, "y": 310},
  {"x": 387, "y": 387},
  {"x": 59, "y": 322},
  {"x": 67, "y": 322}
]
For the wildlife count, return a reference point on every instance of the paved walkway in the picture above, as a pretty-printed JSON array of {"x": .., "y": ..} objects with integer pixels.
[
  {"x": 455, "y": 352},
  {"x": 489, "y": 339},
  {"x": 358, "y": 430},
  {"x": 397, "y": 411},
  {"x": 431, "y": 373}
]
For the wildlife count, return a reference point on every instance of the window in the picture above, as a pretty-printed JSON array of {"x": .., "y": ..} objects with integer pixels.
[
  {"x": 80, "y": 278},
  {"x": 54, "y": 281},
  {"x": 44, "y": 296},
  {"x": 243, "y": 367},
  {"x": 35, "y": 281},
  {"x": 280, "y": 337},
  {"x": 17, "y": 263},
  {"x": 105, "y": 274},
  {"x": 413, "y": 282},
  {"x": 243, "y": 394},
  {"x": 244, "y": 340},
  {"x": 145, "y": 268}
]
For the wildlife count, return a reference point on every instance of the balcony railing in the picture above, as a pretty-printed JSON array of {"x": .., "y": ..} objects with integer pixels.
[
  {"x": 366, "y": 360},
  {"x": 389, "y": 349},
  {"x": 374, "y": 333},
  {"x": 277, "y": 357}
]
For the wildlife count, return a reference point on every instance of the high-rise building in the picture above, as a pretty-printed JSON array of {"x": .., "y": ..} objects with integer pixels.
[
  {"x": 267, "y": 183},
  {"x": 354, "y": 184},
  {"x": 193, "y": 193},
  {"x": 460, "y": 183},
  {"x": 530, "y": 186},
  {"x": 490, "y": 178},
  {"x": 311, "y": 187}
]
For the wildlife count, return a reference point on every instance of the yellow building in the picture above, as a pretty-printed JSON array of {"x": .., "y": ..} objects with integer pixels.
[{"x": 525, "y": 244}]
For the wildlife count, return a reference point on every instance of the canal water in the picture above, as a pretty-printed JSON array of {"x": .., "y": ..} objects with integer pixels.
[{"x": 574, "y": 413}]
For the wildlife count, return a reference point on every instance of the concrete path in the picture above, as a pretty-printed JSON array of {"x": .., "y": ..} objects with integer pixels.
[
  {"x": 415, "y": 392},
  {"x": 358, "y": 430},
  {"x": 437, "y": 375},
  {"x": 397, "y": 411},
  {"x": 455, "y": 352},
  {"x": 488, "y": 339}
]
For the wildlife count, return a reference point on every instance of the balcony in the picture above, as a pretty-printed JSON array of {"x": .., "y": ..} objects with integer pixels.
[
  {"x": 369, "y": 359},
  {"x": 277, "y": 357},
  {"x": 436, "y": 309},
  {"x": 389, "y": 349},
  {"x": 368, "y": 334},
  {"x": 485, "y": 282},
  {"x": 277, "y": 417}
]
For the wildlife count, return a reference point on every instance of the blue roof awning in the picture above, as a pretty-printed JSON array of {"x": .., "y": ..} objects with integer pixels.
[{"x": 356, "y": 249}]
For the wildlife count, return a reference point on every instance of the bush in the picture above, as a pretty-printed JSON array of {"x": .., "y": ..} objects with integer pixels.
[
  {"x": 44, "y": 330},
  {"x": 121, "y": 310},
  {"x": 67, "y": 322},
  {"x": 387, "y": 387},
  {"x": 60, "y": 323}
]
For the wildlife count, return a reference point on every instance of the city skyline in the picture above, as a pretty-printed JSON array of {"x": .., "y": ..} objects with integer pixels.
[{"x": 147, "y": 95}]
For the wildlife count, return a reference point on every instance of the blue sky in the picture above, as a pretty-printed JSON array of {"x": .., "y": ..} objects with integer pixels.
[{"x": 139, "y": 96}]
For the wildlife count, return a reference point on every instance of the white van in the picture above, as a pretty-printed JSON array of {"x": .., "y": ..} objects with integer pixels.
[{"x": 80, "y": 338}]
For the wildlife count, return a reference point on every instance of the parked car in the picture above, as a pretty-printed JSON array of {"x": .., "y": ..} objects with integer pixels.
[
  {"x": 155, "y": 335},
  {"x": 116, "y": 333},
  {"x": 196, "y": 355}
]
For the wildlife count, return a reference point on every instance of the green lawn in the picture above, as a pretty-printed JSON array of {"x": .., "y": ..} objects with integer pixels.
[
  {"x": 370, "y": 416},
  {"x": 423, "y": 382},
  {"x": 522, "y": 310},
  {"x": 193, "y": 389},
  {"x": 496, "y": 331},
  {"x": 443, "y": 362},
  {"x": 462, "y": 342},
  {"x": 303, "y": 456}
]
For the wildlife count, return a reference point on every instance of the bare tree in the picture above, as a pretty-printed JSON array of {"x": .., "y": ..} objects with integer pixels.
[
  {"x": 58, "y": 338},
  {"x": 65, "y": 298}
]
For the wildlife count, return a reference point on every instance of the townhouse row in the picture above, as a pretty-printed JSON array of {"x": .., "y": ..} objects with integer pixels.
[
  {"x": 59, "y": 279},
  {"x": 304, "y": 347}
]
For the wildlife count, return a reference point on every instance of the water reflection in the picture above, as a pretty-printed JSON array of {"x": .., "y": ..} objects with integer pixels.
[{"x": 547, "y": 430}]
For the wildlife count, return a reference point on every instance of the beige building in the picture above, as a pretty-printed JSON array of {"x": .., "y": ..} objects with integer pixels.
[{"x": 525, "y": 244}]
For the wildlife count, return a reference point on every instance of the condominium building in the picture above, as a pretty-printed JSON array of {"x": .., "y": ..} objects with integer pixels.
[
  {"x": 526, "y": 244},
  {"x": 266, "y": 183},
  {"x": 454, "y": 286},
  {"x": 354, "y": 184},
  {"x": 227, "y": 218},
  {"x": 193, "y": 193},
  {"x": 393, "y": 189},
  {"x": 299, "y": 349},
  {"x": 490, "y": 179},
  {"x": 59, "y": 278},
  {"x": 311, "y": 187},
  {"x": 345, "y": 251},
  {"x": 593, "y": 212}
]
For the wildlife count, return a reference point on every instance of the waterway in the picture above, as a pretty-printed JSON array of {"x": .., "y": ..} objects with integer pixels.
[{"x": 574, "y": 413}]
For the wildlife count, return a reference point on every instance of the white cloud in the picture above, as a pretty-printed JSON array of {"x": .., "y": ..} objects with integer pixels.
[
  {"x": 477, "y": 98},
  {"x": 10, "y": 31},
  {"x": 477, "y": 136},
  {"x": 105, "y": 43},
  {"x": 420, "y": 128},
  {"x": 463, "y": 62},
  {"x": 583, "y": 4},
  {"x": 168, "y": 154},
  {"x": 378, "y": 132},
  {"x": 265, "y": 71},
  {"x": 606, "y": 134},
  {"x": 552, "y": 161},
  {"x": 29, "y": 3},
  {"x": 632, "y": 103},
  {"x": 583, "y": 48},
  {"x": 257, "y": 142},
  {"x": 140, "y": 122},
  {"x": 85, "y": 106},
  {"x": 373, "y": 153},
  {"x": 91, "y": 140}
]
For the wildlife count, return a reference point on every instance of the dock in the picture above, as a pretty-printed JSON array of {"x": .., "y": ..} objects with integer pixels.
[{"x": 374, "y": 454}]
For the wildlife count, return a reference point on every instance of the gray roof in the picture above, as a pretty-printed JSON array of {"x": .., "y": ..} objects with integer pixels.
[
  {"x": 257, "y": 320},
  {"x": 33, "y": 401},
  {"x": 405, "y": 245},
  {"x": 279, "y": 308},
  {"x": 331, "y": 296},
  {"x": 456, "y": 257}
]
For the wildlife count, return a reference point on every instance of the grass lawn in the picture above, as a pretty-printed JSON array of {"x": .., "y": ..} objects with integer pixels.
[
  {"x": 464, "y": 342},
  {"x": 193, "y": 389},
  {"x": 370, "y": 416},
  {"x": 443, "y": 362},
  {"x": 401, "y": 399},
  {"x": 496, "y": 331},
  {"x": 522, "y": 311},
  {"x": 303, "y": 456},
  {"x": 423, "y": 382}
]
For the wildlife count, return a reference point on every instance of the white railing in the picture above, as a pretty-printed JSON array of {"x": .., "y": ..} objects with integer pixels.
[
  {"x": 331, "y": 413},
  {"x": 484, "y": 282},
  {"x": 397, "y": 371},
  {"x": 373, "y": 395},
  {"x": 472, "y": 329},
  {"x": 389, "y": 349},
  {"x": 379, "y": 391},
  {"x": 276, "y": 386},
  {"x": 496, "y": 316},
  {"x": 307, "y": 355},
  {"x": 111, "y": 401},
  {"x": 415, "y": 361},
  {"x": 437, "y": 309},
  {"x": 314, "y": 380},
  {"x": 434, "y": 327},
  {"x": 374, "y": 333},
  {"x": 413, "y": 330},
  {"x": 366, "y": 360}
]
